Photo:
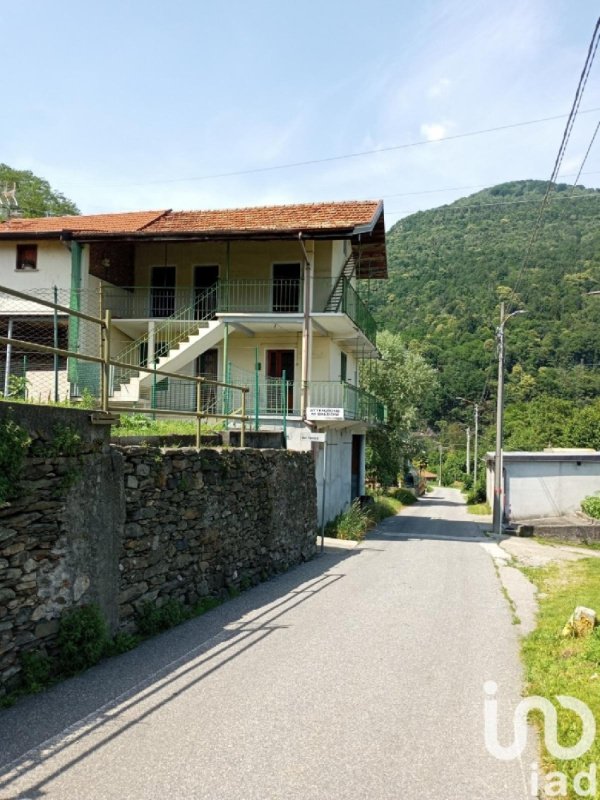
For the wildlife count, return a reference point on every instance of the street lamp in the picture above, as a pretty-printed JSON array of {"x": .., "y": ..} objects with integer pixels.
[{"x": 498, "y": 487}]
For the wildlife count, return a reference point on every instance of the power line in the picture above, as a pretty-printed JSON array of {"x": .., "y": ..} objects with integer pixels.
[
  {"x": 589, "y": 60},
  {"x": 480, "y": 185},
  {"x": 585, "y": 158},
  {"x": 345, "y": 156},
  {"x": 475, "y": 206}
]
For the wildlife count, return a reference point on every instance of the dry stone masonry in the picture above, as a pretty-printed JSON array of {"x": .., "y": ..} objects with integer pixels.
[
  {"x": 124, "y": 526},
  {"x": 198, "y": 522}
]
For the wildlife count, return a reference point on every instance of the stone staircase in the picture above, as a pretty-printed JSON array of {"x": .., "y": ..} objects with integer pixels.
[{"x": 178, "y": 357}]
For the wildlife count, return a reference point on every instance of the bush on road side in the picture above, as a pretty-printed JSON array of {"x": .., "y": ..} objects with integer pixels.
[
  {"x": 354, "y": 523},
  {"x": 591, "y": 506}
]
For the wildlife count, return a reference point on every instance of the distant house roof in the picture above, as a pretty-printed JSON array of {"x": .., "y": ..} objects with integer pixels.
[
  {"x": 550, "y": 454},
  {"x": 127, "y": 222},
  {"x": 360, "y": 221},
  {"x": 428, "y": 475}
]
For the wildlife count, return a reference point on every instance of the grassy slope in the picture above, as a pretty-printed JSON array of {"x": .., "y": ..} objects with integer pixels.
[{"x": 556, "y": 665}]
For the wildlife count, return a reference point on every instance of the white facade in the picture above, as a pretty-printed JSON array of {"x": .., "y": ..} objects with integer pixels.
[
  {"x": 545, "y": 484},
  {"x": 317, "y": 347}
]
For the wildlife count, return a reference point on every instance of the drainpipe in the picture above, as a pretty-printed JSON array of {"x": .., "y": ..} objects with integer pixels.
[
  {"x": 306, "y": 330},
  {"x": 7, "y": 364},
  {"x": 76, "y": 250}
]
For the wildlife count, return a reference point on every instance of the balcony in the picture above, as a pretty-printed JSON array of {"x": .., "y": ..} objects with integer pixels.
[
  {"x": 337, "y": 400},
  {"x": 248, "y": 297}
]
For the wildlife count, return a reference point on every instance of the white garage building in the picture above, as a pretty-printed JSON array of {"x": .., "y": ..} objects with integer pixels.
[{"x": 550, "y": 483}]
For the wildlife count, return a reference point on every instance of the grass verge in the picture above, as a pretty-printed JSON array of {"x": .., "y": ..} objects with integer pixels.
[
  {"x": 565, "y": 666},
  {"x": 354, "y": 523},
  {"x": 481, "y": 509},
  {"x": 144, "y": 425}
]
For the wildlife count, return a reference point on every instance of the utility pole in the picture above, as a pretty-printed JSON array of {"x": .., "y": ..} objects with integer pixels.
[
  {"x": 475, "y": 444},
  {"x": 440, "y": 473},
  {"x": 468, "y": 451},
  {"x": 498, "y": 510},
  {"x": 476, "y": 441}
]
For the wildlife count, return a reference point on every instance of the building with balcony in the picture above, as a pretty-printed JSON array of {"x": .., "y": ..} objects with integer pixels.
[{"x": 275, "y": 298}]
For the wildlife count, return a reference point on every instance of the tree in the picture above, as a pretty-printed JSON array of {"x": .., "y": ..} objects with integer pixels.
[
  {"x": 35, "y": 196},
  {"x": 405, "y": 382},
  {"x": 449, "y": 267}
]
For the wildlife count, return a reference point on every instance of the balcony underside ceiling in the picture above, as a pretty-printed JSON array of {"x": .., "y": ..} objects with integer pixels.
[{"x": 338, "y": 327}]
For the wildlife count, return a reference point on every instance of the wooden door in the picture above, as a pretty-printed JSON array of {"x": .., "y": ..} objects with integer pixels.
[{"x": 278, "y": 362}]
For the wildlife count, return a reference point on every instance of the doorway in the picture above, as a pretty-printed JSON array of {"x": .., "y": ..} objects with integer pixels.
[
  {"x": 278, "y": 362},
  {"x": 162, "y": 292},
  {"x": 205, "y": 301},
  {"x": 286, "y": 288},
  {"x": 207, "y": 366}
]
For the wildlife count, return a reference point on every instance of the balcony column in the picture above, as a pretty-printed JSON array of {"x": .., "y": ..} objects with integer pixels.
[
  {"x": 309, "y": 257},
  {"x": 151, "y": 343}
]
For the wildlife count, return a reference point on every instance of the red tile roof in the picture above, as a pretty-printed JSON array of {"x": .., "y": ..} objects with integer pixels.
[
  {"x": 128, "y": 222},
  {"x": 301, "y": 217},
  {"x": 325, "y": 220}
]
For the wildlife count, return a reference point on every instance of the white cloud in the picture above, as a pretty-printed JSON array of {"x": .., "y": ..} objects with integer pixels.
[
  {"x": 439, "y": 87},
  {"x": 434, "y": 131}
]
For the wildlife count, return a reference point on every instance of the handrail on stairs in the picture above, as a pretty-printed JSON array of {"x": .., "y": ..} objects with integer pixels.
[{"x": 177, "y": 327}]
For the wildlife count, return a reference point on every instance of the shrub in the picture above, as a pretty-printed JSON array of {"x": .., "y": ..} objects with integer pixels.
[
  {"x": 14, "y": 442},
  {"x": 82, "y": 639},
  {"x": 122, "y": 643},
  {"x": 205, "y": 604},
  {"x": 66, "y": 441},
  {"x": 477, "y": 492},
  {"x": 352, "y": 524},
  {"x": 36, "y": 671},
  {"x": 404, "y": 496},
  {"x": 153, "y": 619},
  {"x": 591, "y": 506}
]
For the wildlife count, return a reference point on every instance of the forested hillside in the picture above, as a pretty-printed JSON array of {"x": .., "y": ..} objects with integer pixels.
[{"x": 450, "y": 267}]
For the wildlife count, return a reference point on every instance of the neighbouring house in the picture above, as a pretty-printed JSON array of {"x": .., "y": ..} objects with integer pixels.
[
  {"x": 273, "y": 298},
  {"x": 549, "y": 483}
]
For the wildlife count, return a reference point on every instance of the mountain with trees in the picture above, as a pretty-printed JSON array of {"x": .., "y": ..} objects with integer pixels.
[
  {"x": 450, "y": 268},
  {"x": 35, "y": 196}
]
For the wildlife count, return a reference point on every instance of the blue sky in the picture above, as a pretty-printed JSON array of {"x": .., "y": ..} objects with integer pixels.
[{"x": 131, "y": 104}]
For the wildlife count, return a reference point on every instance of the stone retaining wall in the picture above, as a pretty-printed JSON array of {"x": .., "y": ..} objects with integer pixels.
[
  {"x": 122, "y": 526},
  {"x": 198, "y": 522}
]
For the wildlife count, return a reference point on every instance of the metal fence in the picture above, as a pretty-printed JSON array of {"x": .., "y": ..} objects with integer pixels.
[{"x": 53, "y": 352}]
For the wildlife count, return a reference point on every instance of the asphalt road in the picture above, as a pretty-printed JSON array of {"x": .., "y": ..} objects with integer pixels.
[{"x": 357, "y": 675}]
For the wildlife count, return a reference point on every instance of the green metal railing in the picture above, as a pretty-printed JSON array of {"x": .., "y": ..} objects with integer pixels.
[
  {"x": 260, "y": 296},
  {"x": 286, "y": 296},
  {"x": 166, "y": 335},
  {"x": 356, "y": 309},
  {"x": 150, "y": 302},
  {"x": 356, "y": 403},
  {"x": 266, "y": 396},
  {"x": 226, "y": 296}
]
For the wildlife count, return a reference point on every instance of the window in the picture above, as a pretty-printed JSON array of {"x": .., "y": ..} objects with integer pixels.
[
  {"x": 27, "y": 256},
  {"x": 343, "y": 367}
]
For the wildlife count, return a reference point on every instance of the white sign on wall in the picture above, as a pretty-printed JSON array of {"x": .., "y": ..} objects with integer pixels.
[
  {"x": 315, "y": 413},
  {"x": 313, "y": 437}
]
